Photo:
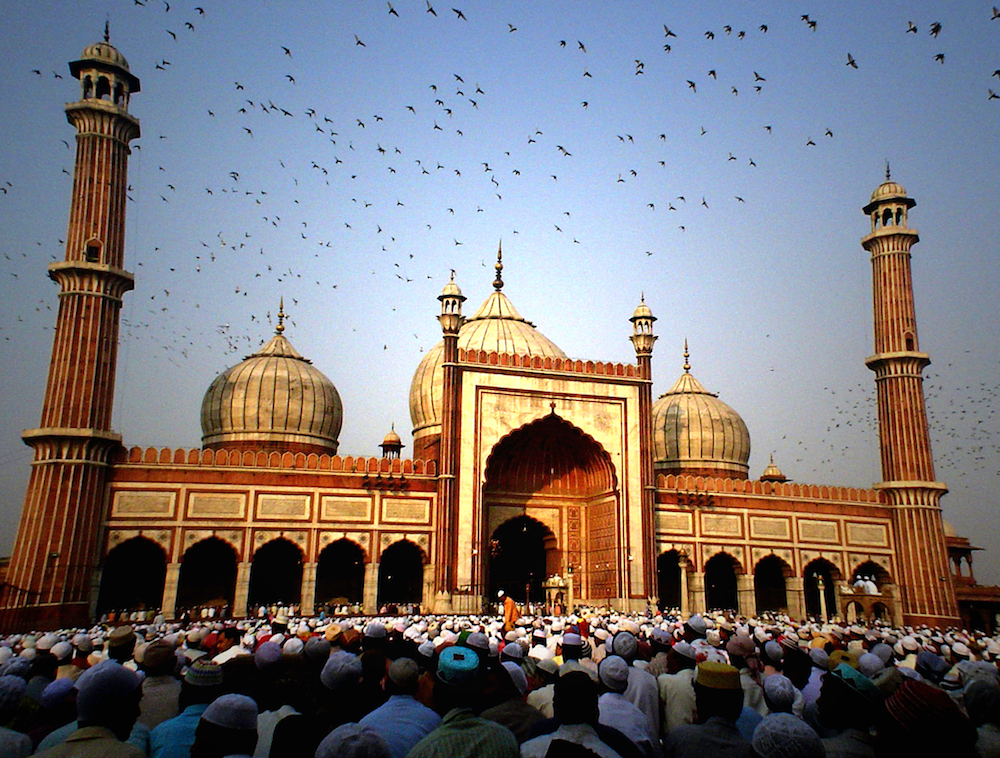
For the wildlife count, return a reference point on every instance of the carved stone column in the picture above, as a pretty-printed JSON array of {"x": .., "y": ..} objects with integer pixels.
[
  {"x": 746, "y": 594},
  {"x": 168, "y": 605},
  {"x": 698, "y": 601},
  {"x": 242, "y": 593},
  {"x": 308, "y": 604},
  {"x": 369, "y": 602}
]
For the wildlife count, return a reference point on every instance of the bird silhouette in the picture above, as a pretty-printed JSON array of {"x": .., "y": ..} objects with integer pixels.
[{"x": 851, "y": 62}]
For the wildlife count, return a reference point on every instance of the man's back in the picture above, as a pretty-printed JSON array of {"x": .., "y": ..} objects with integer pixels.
[
  {"x": 717, "y": 738},
  {"x": 402, "y": 722},
  {"x": 464, "y": 735}
]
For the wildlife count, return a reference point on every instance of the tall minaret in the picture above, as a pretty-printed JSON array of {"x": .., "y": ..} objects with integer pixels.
[
  {"x": 907, "y": 466},
  {"x": 642, "y": 340},
  {"x": 53, "y": 570}
]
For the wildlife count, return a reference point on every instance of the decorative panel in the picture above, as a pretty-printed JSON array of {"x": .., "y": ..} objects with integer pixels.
[
  {"x": 679, "y": 523},
  {"x": 728, "y": 525},
  {"x": 338, "y": 508},
  {"x": 770, "y": 528},
  {"x": 212, "y": 505},
  {"x": 406, "y": 510},
  {"x": 818, "y": 531},
  {"x": 139, "y": 504},
  {"x": 293, "y": 507},
  {"x": 875, "y": 535}
]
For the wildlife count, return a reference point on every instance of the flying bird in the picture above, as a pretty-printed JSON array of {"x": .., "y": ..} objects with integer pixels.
[
  {"x": 459, "y": 14},
  {"x": 357, "y": 41},
  {"x": 692, "y": 86},
  {"x": 581, "y": 46},
  {"x": 430, "y": 9},
  {"x": 392, "y": 11},
  {"x": 935, "y": 29},
  {"x": 850, "y": 61},
  {"x": 911, "y": 28},
  {"x": 939, "y": 58}
]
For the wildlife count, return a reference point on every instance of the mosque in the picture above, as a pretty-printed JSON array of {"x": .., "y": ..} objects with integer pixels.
[{"x": 556, "y": 479}]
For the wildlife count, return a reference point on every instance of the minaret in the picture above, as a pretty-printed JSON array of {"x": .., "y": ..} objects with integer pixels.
[
  {"x": 642, "y": 340},
  {"x": 451, "y": 319},
  {"x": 54, "y": 567},
  {"x": 907, "y": 466}
]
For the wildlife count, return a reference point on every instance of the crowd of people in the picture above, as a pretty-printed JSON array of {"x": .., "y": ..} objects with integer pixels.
[{"x": 593, "y": 683}]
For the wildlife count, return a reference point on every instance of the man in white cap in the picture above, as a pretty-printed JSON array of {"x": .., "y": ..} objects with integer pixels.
[
  {"x": 618, "y": 713},
  {"x": 676, "y": 690}
]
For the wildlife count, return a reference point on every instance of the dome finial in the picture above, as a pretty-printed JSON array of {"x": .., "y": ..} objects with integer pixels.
[
  {"x": 887, "y": 173},
  {"x": 687, "y": 356},
  {"x": 107, "y": 31},
  {"x": 281, "y": 317},
  {"x": 498, "y": 282}
]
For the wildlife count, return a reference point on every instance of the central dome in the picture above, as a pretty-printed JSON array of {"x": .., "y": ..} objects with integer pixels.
[
  {"x": 496, "y": 327},
  {"x": 696, "y": 433},
  {"x": 273, "y": 400}
]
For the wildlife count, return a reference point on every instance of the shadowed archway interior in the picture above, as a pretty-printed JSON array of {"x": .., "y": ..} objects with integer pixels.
[
  {"x": 668, "y": 575},
  {"x": 208, "y": 574},
  {"x": 340, "y": 573},
  {"x": 276, "y": 574},
  {"x": 816, "y": 569},
  {"x": 769, "y": 584},
  {"x": 720, "y": 583},
  {"x": 401, "y": 573},
  {"x": 133, "y": 576},
  {"x": 552, "y": 470}
]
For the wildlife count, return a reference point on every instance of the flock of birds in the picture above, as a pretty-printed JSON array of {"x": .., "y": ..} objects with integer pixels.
[{"x": 366, "y": 155}]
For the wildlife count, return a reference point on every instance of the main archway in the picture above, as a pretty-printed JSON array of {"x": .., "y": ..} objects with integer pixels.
[
  {"x": 553, "y": 473},
  {"x": 720, "y": 582},
  {"x": 276, "y": 574},
  {"x": 769, "y": 584},
  {"x": 401, "y": 574},
  {"x": 340, "y": 573},
  {"x": 133, "y": 576},
  {"x": 517, "y": 561},
  {"x": 208, "y": 575},
  {"x": 816, "y": 573},
  {"x": 668, "y": 575}
]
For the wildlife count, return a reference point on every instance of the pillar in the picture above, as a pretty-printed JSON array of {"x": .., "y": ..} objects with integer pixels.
[
  {"x": 308, "y": 603},
  {"x": 369, "y": 602},
  {"x": 746, "y": 594},
  {"x": 682, "y": 567},
  {"x": 168, "y": 606},
  {"x": 241, "y": 596},
  {"x": 795, "y": 597},
  {"x": 698, "y": 601},
  {"x": 427, "y": 593}
]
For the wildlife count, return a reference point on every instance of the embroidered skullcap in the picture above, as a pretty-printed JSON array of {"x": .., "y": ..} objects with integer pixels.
[
  {"x": 884, "y": 652},
  {"x": 375, "y": 630},
  {"x": 961, "y": 650},
  {"x": 586, "y": 649},
  {"x": 819, "y": 657},
  {"x": 267, "y": 654},
  {"x": 572, "y": 639},
  {"x": 982, "y": 701},
  {"x": 426, "y": 649},
  {"x": 55, "y": 692},
  {"x": 45, "y": 642},
  {"x": 458, "y": 666},
  {"x": 774, "y": 651},
  {"x": 293, "y": 646},
  {"x": 62, "y": 650},
  {"x": 741, "y": 645},
  {"x": 696, "y": 624},
  {"x": 332, "y": 631},
  {"x": 342, "y": 671},
  {"x": 931, "y": 667},
  {"x": 478, "y": 642},
  {"x": 121, "y": 636},
  {"x": 601, "y": 634},
  {"x": 925, "y": 710},
  {"x": 103, "y": 689},
  {"x": 512, "y": 651},
  {"x": 870, "y": 664},
  {"x": 717, "y": 676},
  {"x": 780, "y": 693},
  {"x": 613, "y": 673},
  {"x": 317, "y": 649},
  {"x": 685, "y": 649},
  {"x": 625, "y": 645},
  {"x": 29, "y": 653},
  {"x": 850, "y": 657},
  {"x": 548, "y": 665},
  {"x": 5, "y": 654},
  {"x": 20, "y": 667},
  {"x": 353, "y": 741},
  {"x": 157, "y": 655},
  {"x": 237, "y": 712},
  {"x": 782, "y": 735},
  {"x": 12, "y": 689},
  {"x": 909, "y": 644},
  {"x": 203, "y": 673},
  {"x": 517, "y": 677}
]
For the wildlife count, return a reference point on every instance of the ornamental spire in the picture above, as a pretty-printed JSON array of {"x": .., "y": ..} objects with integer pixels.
[
  {"x": 281, "y": 317},
  {"x": 498, "y": 282},
  {"x": 687, "y": 356}
]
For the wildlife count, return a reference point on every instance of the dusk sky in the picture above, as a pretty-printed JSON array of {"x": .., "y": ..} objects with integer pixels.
[{"x": 347, "y": 155}]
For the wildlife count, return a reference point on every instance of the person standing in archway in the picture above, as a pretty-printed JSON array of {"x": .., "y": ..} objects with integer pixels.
[{"x": 511, "y": 613}]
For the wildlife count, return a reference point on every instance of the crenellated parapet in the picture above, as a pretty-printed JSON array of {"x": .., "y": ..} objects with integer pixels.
[
  {"x": 723, "y": 485},
  {"x": 548, "y": 363}
]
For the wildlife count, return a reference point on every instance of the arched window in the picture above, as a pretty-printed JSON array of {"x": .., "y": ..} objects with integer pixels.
[
  {"x": 88, "y": 87},
  {"x": 103, "y": 88}
]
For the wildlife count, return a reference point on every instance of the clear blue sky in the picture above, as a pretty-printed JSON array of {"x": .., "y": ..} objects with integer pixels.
[{"x": 356, "y": 226}]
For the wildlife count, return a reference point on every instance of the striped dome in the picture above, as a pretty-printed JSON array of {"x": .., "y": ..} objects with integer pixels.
[
  {"x": 273, "y": 400},
  {"x": 495, "y": 327},
  {"x": 695, "y": 432}
]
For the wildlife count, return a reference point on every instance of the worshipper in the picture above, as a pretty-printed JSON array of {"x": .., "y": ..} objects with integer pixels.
[
  {"x": 374, "y": 665},
  {"x": 719, "y": 703},
  {"x": 277, "y": 689},
  {"x": 542, "y": 695},
  {"x": 982, "y": 703},
  {"x": 58, "y": 708},
  {"x": 461, "y": 734},
  {"x": 620, "y": 713},
  {"x": 779, "y": 694},
  {"x": 13, "y": 744},
  {"x": 513, "y": 712},
  {"x": 121, "y": 645},
  {"x": 820, "y": 660},
  {"x": 782, "y": 735},
  {"x": 202, "y": 684},
  {"x": 161, "y": 690},
  {"x": 229, "y": 645},
  {"x": 401, "y": 721},
  {"x": 743, "y": 655},
  {"x": 676, "y": 691},
  {"x": 642, "y": 690},
  {"x": 107, "y": 706},
  {"x": 511, "y": 613},
  {"x": 848, "y": 703},
  {"x": 577, "y": 714},
  {"x": 353, "y": 741},
  {"x": 228, "y": 727},
  {"x": 921, "y": 720}
]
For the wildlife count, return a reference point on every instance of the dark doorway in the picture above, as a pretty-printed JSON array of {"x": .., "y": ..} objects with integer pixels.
[
  {"x": 668, "y": 574},
  {"x": 208, "y": 575},
  {"x": 517, "y": 559},
  {"x": 340, "y": 575},
  {"x": 769, "y": 584},
  {"x": 276, "y": 574},
  {"x": 401, "y": 574},
  {"x": 133, "y": 576},
  {"x": 830, "y": 575},
  {"x": 720, "y": 583}
]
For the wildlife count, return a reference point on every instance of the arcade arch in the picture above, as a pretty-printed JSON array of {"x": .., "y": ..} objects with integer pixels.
[
  {"x": 816, "y": 571},
  {"x": 769, "y": 584},
  {"x": 207, "y": 575},
  {"x": 340, "y": 573},
  {"x": 132, "y": 577},
  {"x": 720, "y": 582},
  {"x": 521, "y": 551},
  {"x": 276, "y": 574},
  {"x": 401, "y": 574},
  {"x": 668, "y": 576}
]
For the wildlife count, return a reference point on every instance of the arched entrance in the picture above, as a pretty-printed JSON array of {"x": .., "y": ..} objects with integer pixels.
[
  {"x": 720, "y": 582},
  {"x": 276, "y": 574},
  {"x": 208, "y": 574},
  {"x": 769, "y": 584},
  {"x": 518, "y": 565},
  {"x": 552, "y": 472},
  {"x": 821, "y": 570},
  {"x": 668, "y": 576},
  {"x": 872, "y": 570},
  {"x": 132, "y": 577},
  {"x": 340, "y": 573},
  {"x": 401, "y": 574}
]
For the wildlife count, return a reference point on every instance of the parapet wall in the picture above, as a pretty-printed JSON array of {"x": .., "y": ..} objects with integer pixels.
[{"x": 777, "y": 489}]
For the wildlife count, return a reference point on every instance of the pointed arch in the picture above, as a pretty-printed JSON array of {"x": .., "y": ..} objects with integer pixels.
[
  {"x": 208, "y": 574},
  {"x": 816, "y": 571},
  {"x": 401, "y": 573},
  {"x": 769, "y": 583},
  {"x": 720, "y": 582},
  {"x": 132, "y": 576},
  {"x": 276, "y": 573},
  {"x": 340, "y": 573}
]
